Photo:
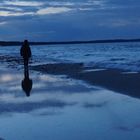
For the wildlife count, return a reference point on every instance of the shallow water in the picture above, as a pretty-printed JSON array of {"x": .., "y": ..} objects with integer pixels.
[
  {"x": 61, "y": 108},
  {"x": 114, "y": 55}
]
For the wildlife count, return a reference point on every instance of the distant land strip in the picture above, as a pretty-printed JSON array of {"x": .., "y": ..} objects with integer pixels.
[{"x": 17, "y": 43}]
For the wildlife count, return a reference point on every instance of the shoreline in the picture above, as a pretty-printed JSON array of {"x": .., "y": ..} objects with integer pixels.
[{"x": 112, "y": 79}]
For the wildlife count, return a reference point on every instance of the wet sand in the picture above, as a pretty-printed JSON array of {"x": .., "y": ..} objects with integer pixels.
[
  {"x": 113, "y": 79},
  {"x": 62, "y": 108}
]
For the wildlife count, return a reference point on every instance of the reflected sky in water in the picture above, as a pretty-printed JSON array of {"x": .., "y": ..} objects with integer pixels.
[{"x": 63, "y": 108}]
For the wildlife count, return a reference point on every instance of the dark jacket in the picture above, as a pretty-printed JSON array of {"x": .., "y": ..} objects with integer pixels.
[{"x": 25, "y": 51}]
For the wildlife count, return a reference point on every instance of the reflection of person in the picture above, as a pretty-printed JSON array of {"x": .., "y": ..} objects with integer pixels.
[
  {"x": 25, "y": 52},
  {"x": 26, "y": 83}
]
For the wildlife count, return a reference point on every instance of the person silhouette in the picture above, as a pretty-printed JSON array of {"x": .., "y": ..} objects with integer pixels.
[
  {"x": 26, "y": 83},
  {"x": 25, "y": 52}
]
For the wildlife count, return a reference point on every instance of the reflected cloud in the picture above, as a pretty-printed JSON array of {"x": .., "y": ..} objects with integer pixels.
[
  {"x": 46, "y": 112},
  {"x": 46, "y": 78},
  {"x": 68, "y": 89},
  {"x": 6, "y": 78},
  {"x": 95, "y": 105},
  {"x": 3, "y": 23},
  {"x": 32, "y": 106}
]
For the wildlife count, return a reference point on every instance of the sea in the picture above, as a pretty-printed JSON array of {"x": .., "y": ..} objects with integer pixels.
[
  {"x": 125, "y": 56},
  {"x": 62, "y": 108}
]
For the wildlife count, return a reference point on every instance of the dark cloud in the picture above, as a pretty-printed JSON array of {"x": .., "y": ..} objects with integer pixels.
[
  {"x": 95, "y": 105},
  {"x": 28, "y": 107},
  {"x": 69, "y": 19},
  {"x": 128, "y": 128}
]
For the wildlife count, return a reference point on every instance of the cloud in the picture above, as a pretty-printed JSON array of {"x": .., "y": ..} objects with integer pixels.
[
  {"x": 53, "y": 10},
  {"x": 116, "y": 23},
  {"x": 97, "y": 18},
  {"x": 56, "y": 3},
  {"x": 97, "y": 2},
  {"x": 9, "y": 13},
  {"x": 23, "y": 8},
  {"x": 11, "y": 8},
  {"x": 23, "y": 3},
  {"x": 85, "y": 9}
]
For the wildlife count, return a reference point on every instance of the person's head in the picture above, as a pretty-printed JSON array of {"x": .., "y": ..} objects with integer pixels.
[{"x": 26, "y": 42}]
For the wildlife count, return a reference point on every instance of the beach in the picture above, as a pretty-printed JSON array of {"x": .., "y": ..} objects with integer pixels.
[
  {"x": 113, "y": 79},
  {"x": 64, "y": 107},
  {"x": 67, "y": 100},
  {"x": 69, "y": 70}
]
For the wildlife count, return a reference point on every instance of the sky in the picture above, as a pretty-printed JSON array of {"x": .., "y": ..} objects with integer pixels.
[{"x": 61, "y": 20}]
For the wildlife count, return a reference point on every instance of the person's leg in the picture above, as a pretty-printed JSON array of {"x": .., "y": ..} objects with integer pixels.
[{"x": 26, "y": 64}]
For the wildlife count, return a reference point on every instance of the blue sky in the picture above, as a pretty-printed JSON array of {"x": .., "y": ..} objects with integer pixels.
[{"x": 48, "y": 20}]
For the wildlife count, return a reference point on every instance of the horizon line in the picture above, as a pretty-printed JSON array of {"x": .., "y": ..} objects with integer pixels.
[{"x": 15, "y": 43}]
